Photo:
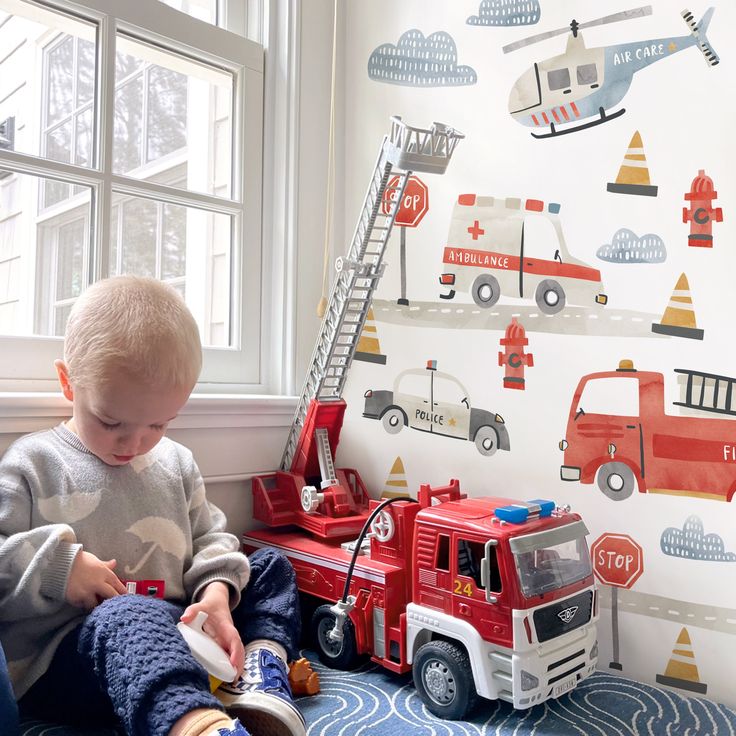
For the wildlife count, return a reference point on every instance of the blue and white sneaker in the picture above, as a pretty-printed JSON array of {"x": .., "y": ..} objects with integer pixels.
[
  {"x": 262, "y": 698},
  {"x": 236, "y": 730}
]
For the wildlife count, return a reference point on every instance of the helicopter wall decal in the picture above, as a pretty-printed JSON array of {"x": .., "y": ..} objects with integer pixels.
[{"x": 583, "y": 83}]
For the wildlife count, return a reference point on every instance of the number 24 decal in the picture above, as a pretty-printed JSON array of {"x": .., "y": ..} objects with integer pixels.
[{"x": 463, "y": 588}]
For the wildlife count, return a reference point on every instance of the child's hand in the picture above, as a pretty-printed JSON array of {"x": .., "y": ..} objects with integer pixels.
[
  {"x": 92, "y": 580},
  {"x": 215, "y": 602}
]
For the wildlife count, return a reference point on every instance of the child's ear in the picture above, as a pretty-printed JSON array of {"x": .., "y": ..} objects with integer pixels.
[{"x": 63, "y": 373}]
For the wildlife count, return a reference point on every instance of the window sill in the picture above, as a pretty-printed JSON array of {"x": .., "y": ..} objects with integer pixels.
[{"x": 30, "y": 411}]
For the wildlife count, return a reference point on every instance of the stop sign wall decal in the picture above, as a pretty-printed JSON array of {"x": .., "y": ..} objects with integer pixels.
[
  {"x": 617, "y": 560},
  {"x": 414, "y": 202}
]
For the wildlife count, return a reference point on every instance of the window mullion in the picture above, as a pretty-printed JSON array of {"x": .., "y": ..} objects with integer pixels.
[{"x": 102, "y": 193}]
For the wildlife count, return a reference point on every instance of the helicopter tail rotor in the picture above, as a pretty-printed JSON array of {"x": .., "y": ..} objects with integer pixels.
[{"x": 698, "y": 31}]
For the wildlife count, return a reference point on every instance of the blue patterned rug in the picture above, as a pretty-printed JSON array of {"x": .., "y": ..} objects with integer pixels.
[{"x": 374, "y": 702}]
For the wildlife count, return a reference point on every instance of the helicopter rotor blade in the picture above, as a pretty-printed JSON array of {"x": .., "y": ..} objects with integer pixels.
[
  {"x": 613, "y": 18},
  {"x": 534, "y": 39}
]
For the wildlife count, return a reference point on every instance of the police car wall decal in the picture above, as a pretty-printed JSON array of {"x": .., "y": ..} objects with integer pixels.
[
  {"x": 437, "y": 403},
  {"x": 578, "y": 88}
]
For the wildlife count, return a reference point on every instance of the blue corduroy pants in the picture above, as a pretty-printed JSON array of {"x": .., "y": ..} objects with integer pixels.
[{"x": 128, "y": 660}]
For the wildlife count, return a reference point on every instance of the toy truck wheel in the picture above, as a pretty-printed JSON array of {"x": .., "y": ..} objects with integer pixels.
[
  {"x": 616, "y": 480},
  {"x": 393, "y": 420},
  {"x": 444, "y": 680},
  {"x": 340, "y": 655},
  {"x": 550, "y": 297},
  {"x": 485, "y": 290},
  {"x": 486, "y": 441}
]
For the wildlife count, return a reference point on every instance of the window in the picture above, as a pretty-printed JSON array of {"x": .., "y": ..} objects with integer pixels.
[
  {"x": 558, "y": 79},
  {"x": 469, "y": 559},
  {"x": 611, "y": 396},
  {"x": 587, "y": 74},
  {"x": 130, "y": 142}
]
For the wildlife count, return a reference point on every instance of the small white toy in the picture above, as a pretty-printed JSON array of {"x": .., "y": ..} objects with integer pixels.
[{"x": 207, "y": 651}]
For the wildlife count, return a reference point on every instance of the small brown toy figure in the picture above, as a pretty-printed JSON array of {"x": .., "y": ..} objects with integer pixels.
[{"x": 302, "y": 678}]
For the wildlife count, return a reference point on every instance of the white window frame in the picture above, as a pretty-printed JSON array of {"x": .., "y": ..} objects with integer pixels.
[{"x": 225, "y": 370}]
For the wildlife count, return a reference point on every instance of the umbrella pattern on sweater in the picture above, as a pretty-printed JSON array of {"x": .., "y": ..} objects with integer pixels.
[{"x": 160, "y": 534}]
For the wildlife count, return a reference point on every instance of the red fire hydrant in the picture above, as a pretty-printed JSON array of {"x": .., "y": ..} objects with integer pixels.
[
  {"x": 701, "y": 214},
  {"x": 514, "y": 357}
]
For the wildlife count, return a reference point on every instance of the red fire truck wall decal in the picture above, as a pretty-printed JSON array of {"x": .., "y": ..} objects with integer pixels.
[
  {"x": 692, "y": 543},
  {"x": 627, "y": 247},
  {"x": 678, "y": 319},
  {"x": 506, "y": 13},
  {"x": 437, "y": 403},
  {"x": 619, "y": 436},
  {"x": 633, "y": 176},
  {"x": 416, "y": 61},
  {"x": 513, "y": 357},
  {"x": 700, "y": 213}
]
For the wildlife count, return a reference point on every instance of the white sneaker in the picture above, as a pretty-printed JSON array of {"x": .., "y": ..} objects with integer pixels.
[{"x": 262, "y": 698}]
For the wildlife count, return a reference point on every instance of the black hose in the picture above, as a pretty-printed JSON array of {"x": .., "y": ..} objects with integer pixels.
[{"x": 361, "y": 537}]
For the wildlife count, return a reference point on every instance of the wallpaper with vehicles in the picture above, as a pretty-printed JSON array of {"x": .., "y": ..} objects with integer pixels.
[{"x": 555, "y": 318}]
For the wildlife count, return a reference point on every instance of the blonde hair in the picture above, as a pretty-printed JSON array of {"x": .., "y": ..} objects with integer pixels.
[{"x": 138, "y": 326}]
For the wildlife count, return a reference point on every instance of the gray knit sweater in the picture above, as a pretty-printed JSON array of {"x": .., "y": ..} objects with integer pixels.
[{"x": 151, "y": 515}]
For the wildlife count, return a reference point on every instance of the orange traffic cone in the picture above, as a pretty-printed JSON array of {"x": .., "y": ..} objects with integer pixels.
[
  {"x": 633, "y": 176},
  {"x": 682, "y": 672},
  {"x": 396, "y": 485},
  {"x": 678, "y": 319},
  {"x": 368, "y": 348}
]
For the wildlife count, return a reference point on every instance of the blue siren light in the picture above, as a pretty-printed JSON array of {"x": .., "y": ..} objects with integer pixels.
[{"x": 520, "y": 512}]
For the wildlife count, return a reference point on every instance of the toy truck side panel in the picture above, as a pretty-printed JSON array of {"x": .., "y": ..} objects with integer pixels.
[
  {"x": 441, "y": 584},
  {"x": 682, "y": 455}
]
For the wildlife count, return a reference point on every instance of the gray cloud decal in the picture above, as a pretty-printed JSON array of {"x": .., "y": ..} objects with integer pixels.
[
  {"x": 627, "y": 247},
  {"x": 506, "y": 13},
  {"x": 692, "y": 543},
  {"x": 416, "y": 61}
]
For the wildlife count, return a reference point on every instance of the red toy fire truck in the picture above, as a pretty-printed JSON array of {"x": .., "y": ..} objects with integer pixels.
[{"x": 477, "y": 597}]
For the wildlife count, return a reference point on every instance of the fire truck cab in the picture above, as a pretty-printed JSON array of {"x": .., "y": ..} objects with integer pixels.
[
  {"x": 484, "y": 597},
  {"x": 516, "y": 248}
]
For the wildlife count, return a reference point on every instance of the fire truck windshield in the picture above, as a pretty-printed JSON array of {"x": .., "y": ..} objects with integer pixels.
[{"x": 551, "y": 559}]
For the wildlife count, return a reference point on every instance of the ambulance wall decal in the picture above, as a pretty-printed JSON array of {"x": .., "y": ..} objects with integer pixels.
[
  {"x": 516, "y": 248},
  {"x": 437, "y": 403}
]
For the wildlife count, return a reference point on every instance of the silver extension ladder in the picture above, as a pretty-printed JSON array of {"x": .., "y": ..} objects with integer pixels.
[{"x": 404, "y": 150}]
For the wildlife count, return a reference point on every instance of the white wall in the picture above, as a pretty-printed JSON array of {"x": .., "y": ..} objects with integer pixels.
[{"x": 684, "y": 113}]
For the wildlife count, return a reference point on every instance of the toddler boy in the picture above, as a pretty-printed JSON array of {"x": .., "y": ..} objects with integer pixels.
[{"x": 106, "y": 498}]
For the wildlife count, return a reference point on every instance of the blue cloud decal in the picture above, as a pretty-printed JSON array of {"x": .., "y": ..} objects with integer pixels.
[
  {"x": 692, "y": 543},
  {"x": 627, "y": 247},
  {"x": 416, "y": 61},
  {"x": 506, "y": 13}
]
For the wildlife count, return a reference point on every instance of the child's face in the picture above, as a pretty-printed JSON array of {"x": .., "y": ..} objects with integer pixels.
[{"x": 123, "y": 419}]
